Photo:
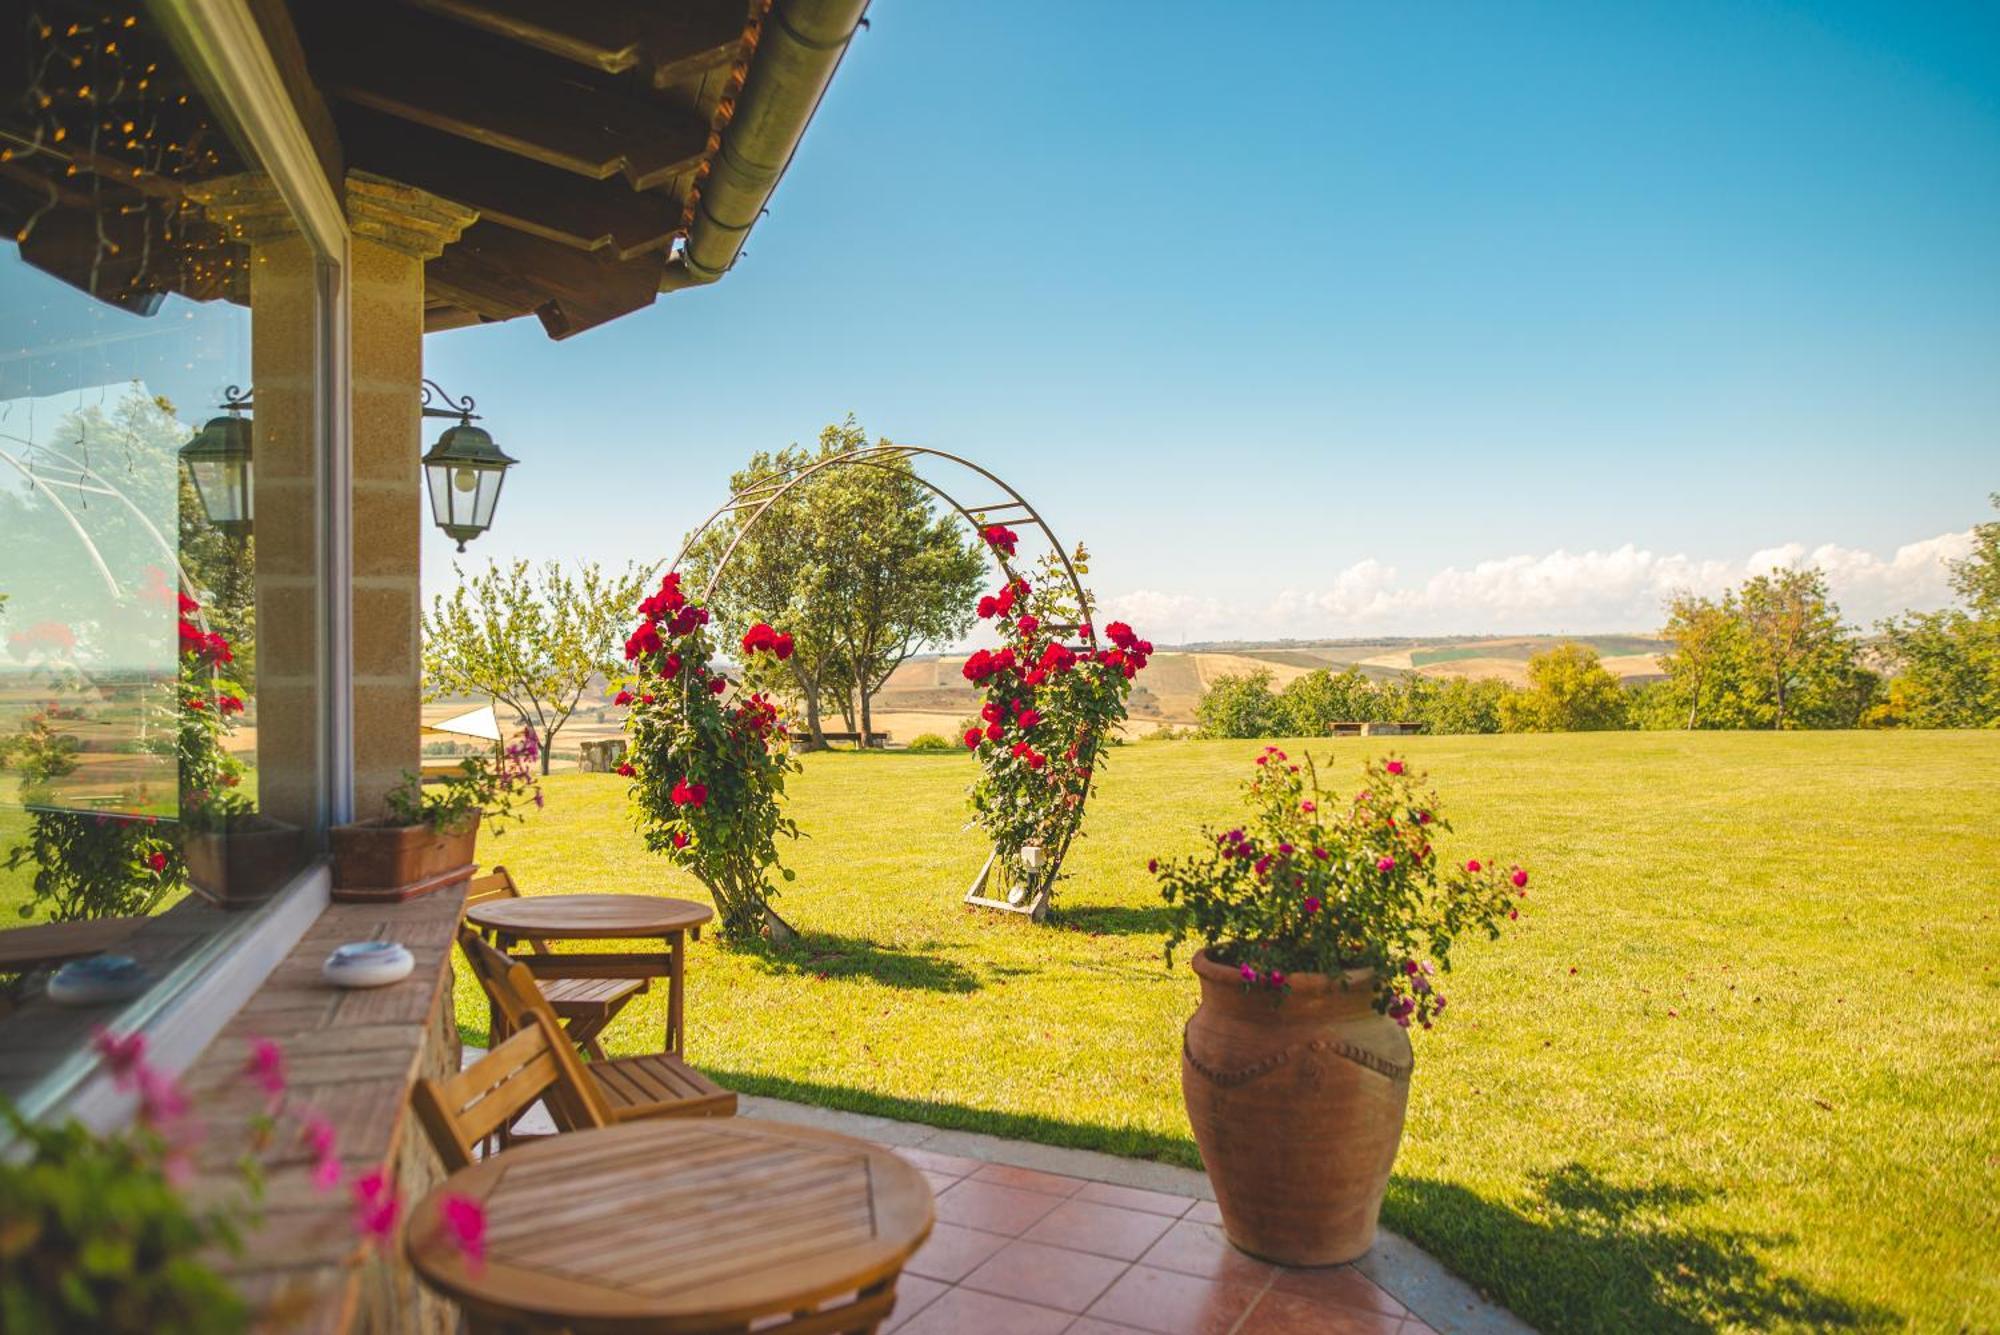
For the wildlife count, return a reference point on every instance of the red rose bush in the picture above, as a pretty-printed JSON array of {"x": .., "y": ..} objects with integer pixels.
[
  {"x": 708, "y": 772},
  {"x": 1050, "y": 698},
  {"x": 1313, "y": 884}
]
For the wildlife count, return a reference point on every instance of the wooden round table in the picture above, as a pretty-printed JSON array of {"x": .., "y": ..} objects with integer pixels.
[
  {"x": 680, "y": 1225},
  {"x": 598, "y": 918}
]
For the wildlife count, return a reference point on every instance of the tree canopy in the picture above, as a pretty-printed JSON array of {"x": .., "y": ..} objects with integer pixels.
[{"x": 532, "y": 638}]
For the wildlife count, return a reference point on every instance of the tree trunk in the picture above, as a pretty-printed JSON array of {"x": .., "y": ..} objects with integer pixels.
[
  {"x": 809, "y": 689},
  {"x": 866, "y": 729}
]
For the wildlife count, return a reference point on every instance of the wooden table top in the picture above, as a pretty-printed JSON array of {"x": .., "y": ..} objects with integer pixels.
[
  {"x": 55, "y": 942},
  {"x": 583, "y": 917},
  {"x": 680, "y": 1223}
]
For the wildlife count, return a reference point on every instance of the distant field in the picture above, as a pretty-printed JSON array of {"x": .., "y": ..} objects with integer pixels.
[
  {"x": 928, "y": 694},
  {"x": 1734, "y": 1068}
]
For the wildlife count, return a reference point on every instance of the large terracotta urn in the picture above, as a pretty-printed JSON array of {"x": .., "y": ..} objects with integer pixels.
[{"x": 1297, "y": 1103}]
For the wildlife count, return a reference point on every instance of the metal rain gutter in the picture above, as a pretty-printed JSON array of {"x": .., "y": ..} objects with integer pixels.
[{"x": 799, "y": 47}]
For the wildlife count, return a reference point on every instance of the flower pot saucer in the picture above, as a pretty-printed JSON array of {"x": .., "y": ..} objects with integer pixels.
[{"x": 368, "y": 964}]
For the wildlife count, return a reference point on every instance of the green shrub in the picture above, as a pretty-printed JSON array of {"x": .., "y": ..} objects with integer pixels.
[
  {"x": 1241, "y": 706},
  {"x": 930, "y": 741}
]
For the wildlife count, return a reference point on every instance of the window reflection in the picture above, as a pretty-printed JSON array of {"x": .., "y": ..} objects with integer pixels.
[{"x": 160, "y": 701}]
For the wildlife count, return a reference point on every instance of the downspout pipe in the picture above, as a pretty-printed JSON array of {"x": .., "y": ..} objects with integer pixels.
[{"x": 799, "y": 47}]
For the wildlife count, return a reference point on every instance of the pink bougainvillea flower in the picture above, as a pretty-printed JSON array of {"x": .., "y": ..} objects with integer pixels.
[
  {"x": 1394, "y": 767},
  {"x": 1311, "y": 905},
  {"x": 1520, "y": 878},
  {"x": 266, "y": 1067},
  {"x": 318, "y": 1136},
  {"x": 1385, "y": 863},
  {"x": 161, "y": 1102},
  {"x": 376, "y": 1206},
  {"x": 124, "y": 1055},
  {"x": 1249, "y": 974},
  {"x": 464, "y": 1222},
  {"x": 1275, "y": 978}
]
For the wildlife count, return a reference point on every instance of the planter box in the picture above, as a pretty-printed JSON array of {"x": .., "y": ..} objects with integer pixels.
[
  {"x": 374, "y": 861},
  {"x": 242, "y": 866}
]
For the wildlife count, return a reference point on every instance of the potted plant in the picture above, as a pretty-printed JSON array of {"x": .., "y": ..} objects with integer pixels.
[
  {"x": 234, "y": 856},
  {"x": 1324, "y": 926},
  {"x": 431, "y": 832}
]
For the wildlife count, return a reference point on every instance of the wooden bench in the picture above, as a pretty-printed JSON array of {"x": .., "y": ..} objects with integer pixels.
[{"x": 876, "y": 741}]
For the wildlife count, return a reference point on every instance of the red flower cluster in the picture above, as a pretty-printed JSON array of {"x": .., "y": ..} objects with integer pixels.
[
  {"x": 209, "y": 648},
  {"x": 1001, "y": 604},
  {"x": 1000, "y": 538},
  {"x": 985, "y": 662},
  {"x": 688, "y": 794},
  {"x": 759, "y": 715},
  {"x": 761, "y": 638},
  {"x": 669, "y": 608},
  {"x": 229, "y": 704},
  {"x": 1128, "y": 652}
]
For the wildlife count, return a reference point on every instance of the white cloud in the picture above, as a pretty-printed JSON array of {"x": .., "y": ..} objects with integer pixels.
[{"x": 1618, "y": 590}]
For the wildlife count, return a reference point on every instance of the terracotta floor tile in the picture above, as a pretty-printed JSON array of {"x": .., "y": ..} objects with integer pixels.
[
  {"x": 1090, "y": 1325},
  {"x": 994, "y": 1208},
  {"x": 1028, "y": 1179},
  {"x": 1202, "y": 1249},
  {"x": 1174, "y": 1304},
  {"x": 913, "y": 1294},
  {"x": 1341, "y": 1285},
  {"x": 932, "y": 1161},
  {"x": 1106, "y": 1230},
  {"x": 1204, "y": 1212},
  {"x": 1289, "y": 1314},
  {"x": 1046, "y": 1276},
  {"x": 964, "y": 1312},
  {"x": 1132, "y": 1198},
  {"x": 938, "y": 1181},
  {"x": 951, "y": 1252}
]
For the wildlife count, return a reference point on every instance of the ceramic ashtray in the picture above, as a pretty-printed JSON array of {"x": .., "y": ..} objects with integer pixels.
[
  {"x": 368, "y": 964},
  {"x": 97, "y": 980}
]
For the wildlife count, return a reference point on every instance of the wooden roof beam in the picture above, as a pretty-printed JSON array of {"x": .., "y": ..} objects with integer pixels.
[
  {"x": 417, "y": 68},
  {"x": 667, "y": 41},
  {"x": 581, "y": 290},
  {"x": 527, "y": 196}
]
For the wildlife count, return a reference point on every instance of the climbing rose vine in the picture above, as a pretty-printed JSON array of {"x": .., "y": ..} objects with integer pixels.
[
  {"x": 708, "y": 771},
  {"x": 1048, "y": 702},
  {"x": 1312, "y": 884}
]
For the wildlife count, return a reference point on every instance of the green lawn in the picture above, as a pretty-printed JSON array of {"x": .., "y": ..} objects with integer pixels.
[{"x": 1738, "y": 1066}]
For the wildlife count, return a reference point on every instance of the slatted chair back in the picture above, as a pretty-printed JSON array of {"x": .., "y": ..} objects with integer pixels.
[
  {"x": 536, "y": 1063},
  {"x": 514, "y": 993}
]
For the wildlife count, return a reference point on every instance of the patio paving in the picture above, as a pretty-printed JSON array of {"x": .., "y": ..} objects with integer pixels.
[
  {"x": 1034, "y": 1239},
  {"x": 1040, "y": 1240}
]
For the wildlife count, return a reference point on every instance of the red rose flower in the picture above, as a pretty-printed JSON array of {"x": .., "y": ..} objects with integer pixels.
[
  {"x": 626, "y": 769},
  {"x": 994, "y": 732},
  {"x": 680, "y": 839},
  {"x": 157, "y": 861},
  {"x": 718, "y": 685},
  {"x": 688, "y": 794},
  {"x": 972, "y": 738},
  {"x": 1001, "y": 538},
  {"x": 622, "y": 698}
]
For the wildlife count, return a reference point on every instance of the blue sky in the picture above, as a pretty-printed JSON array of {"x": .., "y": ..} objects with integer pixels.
[{"x": 1344, "y": 319}]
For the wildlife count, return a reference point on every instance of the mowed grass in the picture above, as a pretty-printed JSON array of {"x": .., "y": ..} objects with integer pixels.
[{"x": 1736, "y": 1066}]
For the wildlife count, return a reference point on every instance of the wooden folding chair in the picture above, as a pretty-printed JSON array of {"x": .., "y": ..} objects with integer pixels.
[
  {"x": 654, "y": 1085},
  {"x": 585, "y": 1005},
  {"x": 483, "y": 1100}
]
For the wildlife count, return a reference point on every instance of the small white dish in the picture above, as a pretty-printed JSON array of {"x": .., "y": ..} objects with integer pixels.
[
  {"x": 97, "y": 980},
  {"x": 368, "y": 964}
]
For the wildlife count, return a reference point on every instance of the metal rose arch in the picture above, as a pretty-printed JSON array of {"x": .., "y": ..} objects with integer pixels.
[{"x": 754, "y": 500}]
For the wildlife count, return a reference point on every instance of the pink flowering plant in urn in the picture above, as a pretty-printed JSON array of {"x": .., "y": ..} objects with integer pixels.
[
  {"x": 708, "y": 768},
  {"x": 1326, "y": 923},
  {"x": 1314, "y": 883}
]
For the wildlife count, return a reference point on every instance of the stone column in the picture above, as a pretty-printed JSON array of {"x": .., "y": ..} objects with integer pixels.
[
  {"x": 285, "y": 474},
  {"x": 395, "y": 229}
]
